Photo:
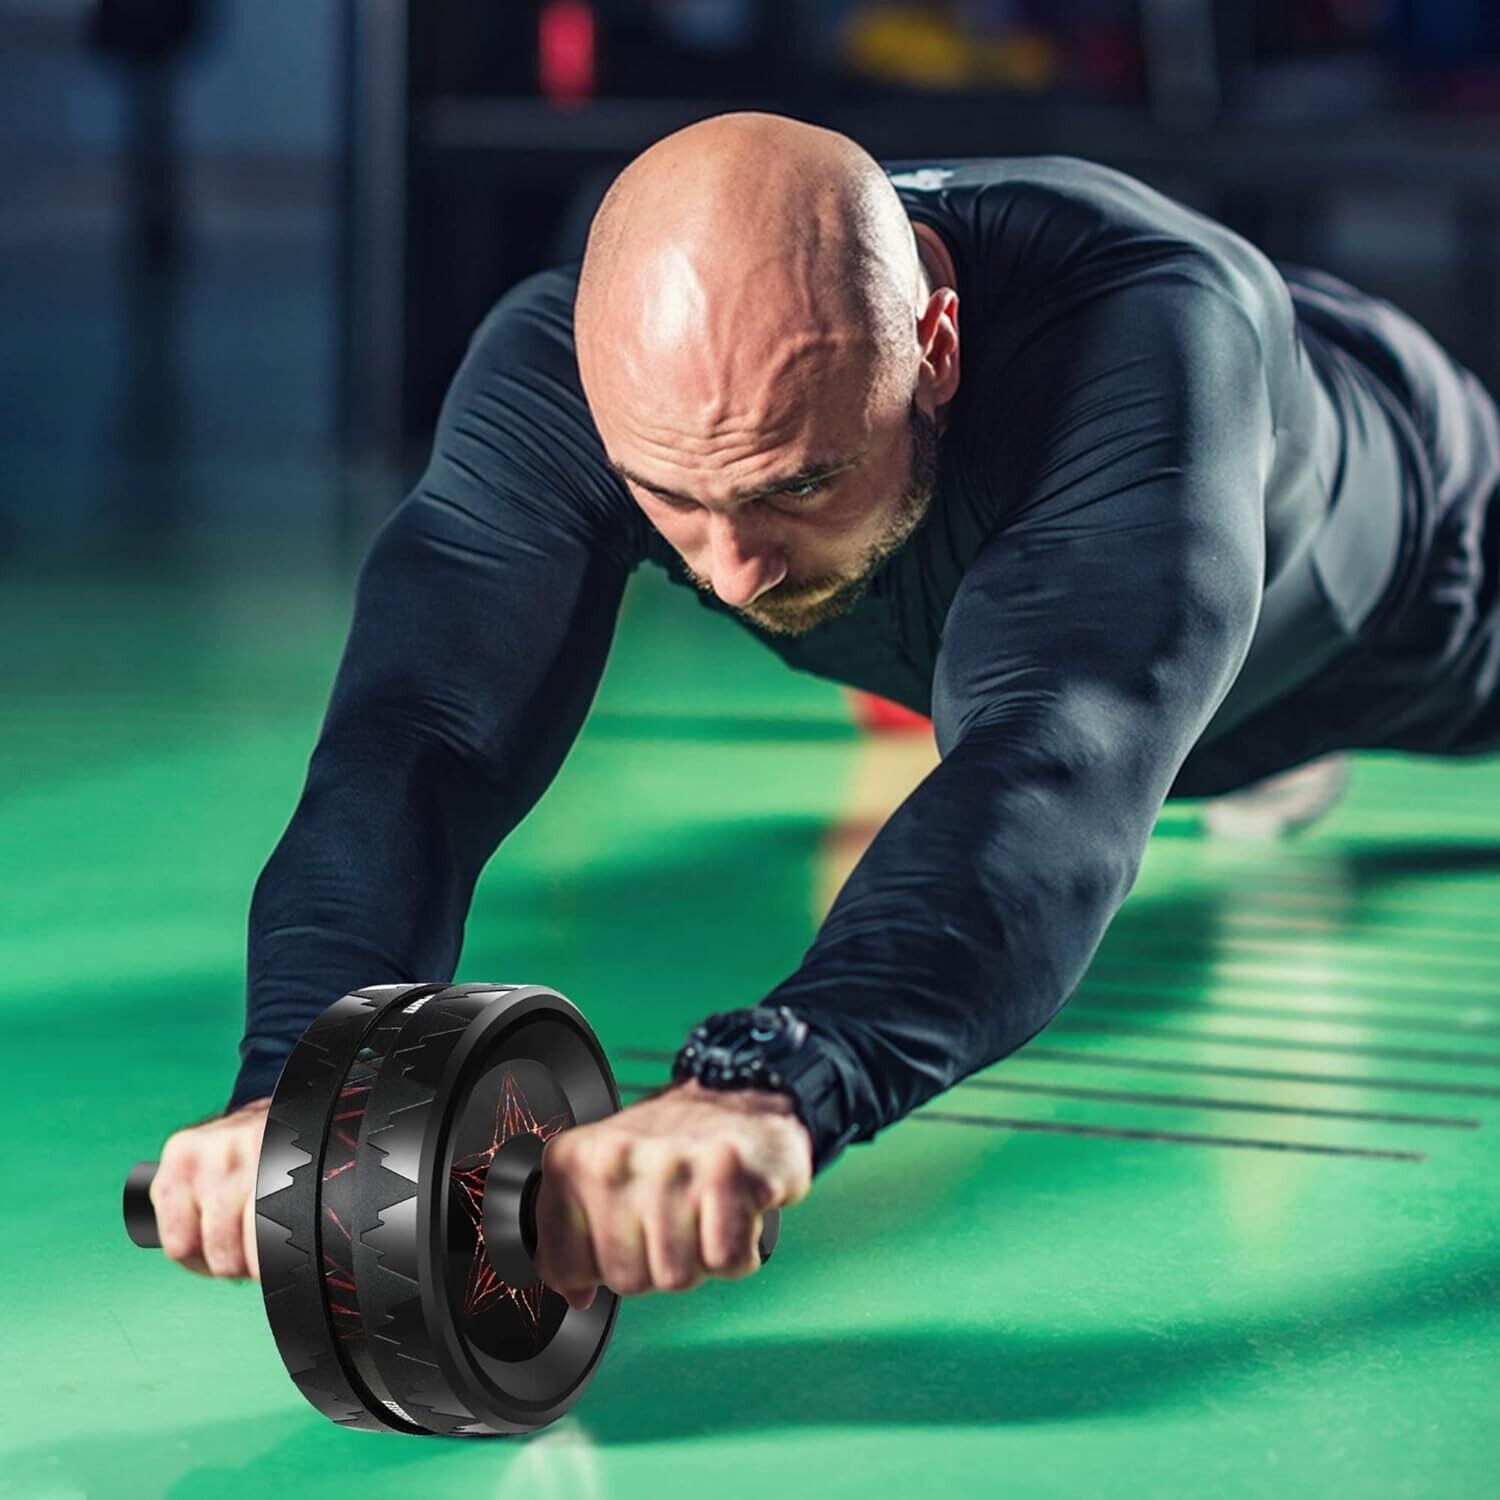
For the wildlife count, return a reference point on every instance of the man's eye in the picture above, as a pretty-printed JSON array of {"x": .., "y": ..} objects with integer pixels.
[
  {"x": 794, "y": 492},
  {"x": 804, "y": 491}
]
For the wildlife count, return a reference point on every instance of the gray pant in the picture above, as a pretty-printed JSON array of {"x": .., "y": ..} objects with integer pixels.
[
  {"x": 1426, "y": 678},
  {"x": 1428, "y": 681}
]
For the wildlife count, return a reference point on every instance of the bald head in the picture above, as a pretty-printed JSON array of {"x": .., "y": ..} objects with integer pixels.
[
  {"x": 739, "y": 267},
  {"x": 765, "y": 361}
]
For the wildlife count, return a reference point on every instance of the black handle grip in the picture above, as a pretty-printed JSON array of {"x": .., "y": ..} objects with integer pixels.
[
  {"x": 770, "y": 1232},
  {"x": 140, "y": 1215}
]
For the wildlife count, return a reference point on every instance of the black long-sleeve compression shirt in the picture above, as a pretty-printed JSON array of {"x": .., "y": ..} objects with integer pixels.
[{"x": 1175, "y": 479}]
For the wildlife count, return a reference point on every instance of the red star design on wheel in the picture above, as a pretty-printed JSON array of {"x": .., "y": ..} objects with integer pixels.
[{"x": 513, "y": 1117}]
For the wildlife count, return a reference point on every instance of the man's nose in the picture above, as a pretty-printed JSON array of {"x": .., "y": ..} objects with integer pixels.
[{"x": 743, "y": 562}]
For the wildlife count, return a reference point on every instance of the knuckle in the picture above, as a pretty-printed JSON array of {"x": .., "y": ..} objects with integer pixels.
[
  {"x": 675, "y": 1169},
  {"x": 721, "y": 1163},
  {"x": 179, "y": 1158},
  {"x": 608, "y": 1162}
]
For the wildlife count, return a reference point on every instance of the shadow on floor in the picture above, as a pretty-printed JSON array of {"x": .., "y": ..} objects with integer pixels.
[{"x": 661, "y": 1393}]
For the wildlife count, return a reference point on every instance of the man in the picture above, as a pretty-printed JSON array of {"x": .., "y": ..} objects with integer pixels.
[{"x": 1185, "y": 522}]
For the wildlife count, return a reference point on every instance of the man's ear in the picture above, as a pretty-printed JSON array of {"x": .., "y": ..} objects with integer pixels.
[{"x": 937, "y": 331}]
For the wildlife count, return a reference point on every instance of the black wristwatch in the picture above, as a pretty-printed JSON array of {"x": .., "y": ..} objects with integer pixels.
[{"x": 767, "y": 1047}]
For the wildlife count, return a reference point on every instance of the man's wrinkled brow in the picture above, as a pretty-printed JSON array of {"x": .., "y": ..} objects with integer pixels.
[{"x": 808, "y": 475}]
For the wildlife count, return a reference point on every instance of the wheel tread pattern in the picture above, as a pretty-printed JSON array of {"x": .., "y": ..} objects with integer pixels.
[
  {"x": 397, "y": 1119},
  {"x": 288, "y": 1207}
]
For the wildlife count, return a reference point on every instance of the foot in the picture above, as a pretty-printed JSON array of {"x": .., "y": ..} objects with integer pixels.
[{"x": 1279, "y": 805}]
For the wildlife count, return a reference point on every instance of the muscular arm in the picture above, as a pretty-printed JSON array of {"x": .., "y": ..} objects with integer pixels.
[
  {"x": 483, "y": 617},
  {"x": 1088, "y": 645}
]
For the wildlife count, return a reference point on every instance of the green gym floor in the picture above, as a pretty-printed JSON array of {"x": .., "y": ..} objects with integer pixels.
[{"x": 1227, "y": 1228}]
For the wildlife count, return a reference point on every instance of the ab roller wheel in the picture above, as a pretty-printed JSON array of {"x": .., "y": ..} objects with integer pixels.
[{"x": 395, "y": 1209}]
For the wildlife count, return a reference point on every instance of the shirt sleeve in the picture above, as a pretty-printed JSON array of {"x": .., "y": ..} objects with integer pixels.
[
  {"x": 1087, "y": 646},
  {"x": 483, "y": 616}
]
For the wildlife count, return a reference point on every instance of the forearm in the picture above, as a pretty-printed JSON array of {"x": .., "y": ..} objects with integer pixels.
[
  {"x": 482, "y": 622},
  {"x": 972, "y": 916},
  {"x": 1089, "y": 643},
  {"x": 449, "y": 719},
  {"x": 370, "y": 884}
]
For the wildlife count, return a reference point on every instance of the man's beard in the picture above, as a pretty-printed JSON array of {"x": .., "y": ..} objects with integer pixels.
[{"x": 815, "y": 600}]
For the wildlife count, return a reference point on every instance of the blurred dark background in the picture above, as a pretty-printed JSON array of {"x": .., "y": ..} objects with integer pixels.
[{"x": 242, "y": 242}]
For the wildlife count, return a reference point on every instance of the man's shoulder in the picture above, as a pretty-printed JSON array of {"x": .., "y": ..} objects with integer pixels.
[
  {"x": 1035, "y": 236},
  {"x": 1013, "y": 210},
  {"x": 970, "y": 173},
  {"x": 516, "y": 421},
  {"x": 532, "y": 318},
  {"x": 982, "y": 189}
]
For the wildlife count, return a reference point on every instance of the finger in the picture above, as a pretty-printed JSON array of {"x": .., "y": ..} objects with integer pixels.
[
  {"x": 729, "y": 1233},
  {"x": 620, "y": 1248},
  {"x": 175, "y": 1200},
  {"x": 224, "y": 1226},
  {"x": 565, "y": 1255},
  {"x": 669, "y": 1227}
]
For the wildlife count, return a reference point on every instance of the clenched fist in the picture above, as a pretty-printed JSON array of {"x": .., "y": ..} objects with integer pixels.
[
  {"x": 204, "y": 1193},
  {"x": 669, "y": 1192}
]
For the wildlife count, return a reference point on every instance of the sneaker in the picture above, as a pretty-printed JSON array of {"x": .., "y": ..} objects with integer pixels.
[{"x": 1279, "y": 805}]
